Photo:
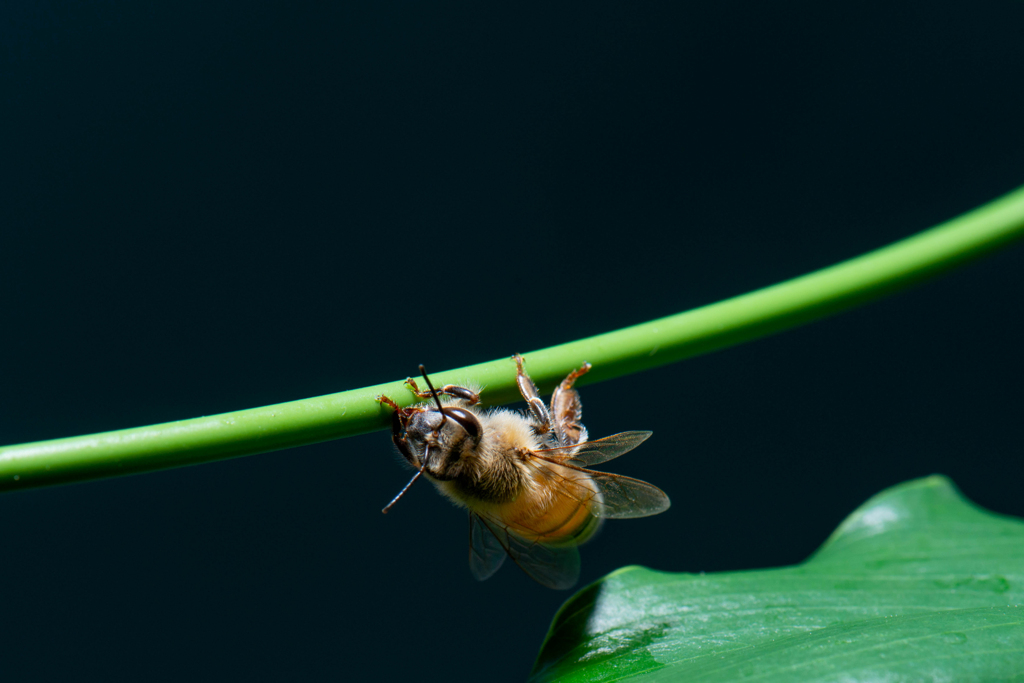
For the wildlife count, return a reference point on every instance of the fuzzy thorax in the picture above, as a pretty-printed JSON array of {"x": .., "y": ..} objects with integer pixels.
[{"x": 494, "y": 471}]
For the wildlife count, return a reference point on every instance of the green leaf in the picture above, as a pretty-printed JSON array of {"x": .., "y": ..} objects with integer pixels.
[{"x": 917, "y": 584}]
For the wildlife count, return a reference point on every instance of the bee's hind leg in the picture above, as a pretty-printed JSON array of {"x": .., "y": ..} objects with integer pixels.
[
  {"x": 541, "y": 418},
  {"x": 568, "y": 411}
]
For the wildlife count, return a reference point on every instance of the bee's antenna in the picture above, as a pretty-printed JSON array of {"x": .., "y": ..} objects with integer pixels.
[
  {"x": 402, "y": 492},
  {"x": 440, "y": 409}
]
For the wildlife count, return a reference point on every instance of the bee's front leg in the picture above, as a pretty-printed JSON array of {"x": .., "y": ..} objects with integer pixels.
[
  {"x": 390, "y": 404},
  {"x": 399, "y": 419},
  {"x": 448, "y": 389},
  {"x": 541, "y": 418}
]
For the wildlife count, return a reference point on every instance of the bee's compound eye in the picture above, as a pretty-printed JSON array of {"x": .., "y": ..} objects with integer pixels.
[{"x": 466, "y": 419}]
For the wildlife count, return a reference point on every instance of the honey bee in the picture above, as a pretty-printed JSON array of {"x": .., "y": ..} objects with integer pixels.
[{"x": 523, "y": 477}]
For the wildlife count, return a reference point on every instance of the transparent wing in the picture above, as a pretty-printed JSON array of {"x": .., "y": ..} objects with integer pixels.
[
  {"x": 606, "y": 495},
  {"x": 625, "y": 498},
  {"x": 486, "y": 554},
  {"x": 556, "y": 567},
  {"x": 595, "y": 452}
]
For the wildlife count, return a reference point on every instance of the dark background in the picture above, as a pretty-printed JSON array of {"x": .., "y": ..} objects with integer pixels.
[{"x": 214, "y": 206}]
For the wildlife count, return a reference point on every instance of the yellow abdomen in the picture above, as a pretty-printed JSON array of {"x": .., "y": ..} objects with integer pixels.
[{"x": 553, "y": 508}]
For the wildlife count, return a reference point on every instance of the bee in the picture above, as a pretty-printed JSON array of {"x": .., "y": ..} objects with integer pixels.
[{"x": 523, "y": 477}]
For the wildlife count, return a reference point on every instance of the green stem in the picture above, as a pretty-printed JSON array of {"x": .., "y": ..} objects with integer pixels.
[{"x": 659, "y": 342}]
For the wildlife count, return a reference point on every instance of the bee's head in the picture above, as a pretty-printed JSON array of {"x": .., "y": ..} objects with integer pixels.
[
  {"x": 435, "y": 440},
  {"x": 439, "y": 438}
]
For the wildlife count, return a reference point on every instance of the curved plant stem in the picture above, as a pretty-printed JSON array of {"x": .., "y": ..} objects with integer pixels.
[{"x": 659, "y": 342}]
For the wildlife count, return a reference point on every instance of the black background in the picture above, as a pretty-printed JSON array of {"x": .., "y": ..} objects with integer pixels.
[{"x": 212, "y": 206}]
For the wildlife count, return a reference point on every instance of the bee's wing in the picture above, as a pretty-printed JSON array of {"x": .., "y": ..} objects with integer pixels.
[
  {"x": 556, "y": 567},
  {"x": 486, "y": 554},
  {"x": 624, "y": 497},
  {"x": 606, "y": 495},
  {"x": 595, "y": 452}
]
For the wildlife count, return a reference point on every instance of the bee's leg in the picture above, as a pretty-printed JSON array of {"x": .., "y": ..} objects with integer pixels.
[
  {"x": 448, "y": 389},
  {"x": 399, "y": 420},
  {"x": 399, "y": 416},
  {"x": 389, "y": 403},
  {"x": 541, "y": 418},
  {"x": 567, "y": 410},
  {"x": 398, "y": 437}
]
